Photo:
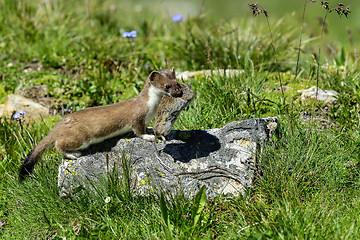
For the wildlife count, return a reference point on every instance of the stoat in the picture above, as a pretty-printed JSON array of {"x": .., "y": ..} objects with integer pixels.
[{"x": 79, "y": 130}]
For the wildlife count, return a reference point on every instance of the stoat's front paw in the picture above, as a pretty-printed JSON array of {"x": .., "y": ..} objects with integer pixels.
[{"x": 148, "y": 137}]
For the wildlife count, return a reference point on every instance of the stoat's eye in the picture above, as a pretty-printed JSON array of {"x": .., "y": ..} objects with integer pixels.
[{"x": 167, "y": 86}]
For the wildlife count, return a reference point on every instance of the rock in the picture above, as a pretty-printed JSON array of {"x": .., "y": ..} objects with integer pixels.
[
  {"x": 2, "y": 106},
  {"x": 285, "y": 89},
  {"x": 222, "y": 159},
  {"x": 35, "y": 93},
  {"x": 39, "y": 94},
  {"x": 221, "y": 72},
  {"x": 318, "y": 119},
  {"x": 15, "y": 103},
  {"x": 327, "y": 96},
  {"x": 34, "y": 66},
  {"x": 33, "y": 100}
]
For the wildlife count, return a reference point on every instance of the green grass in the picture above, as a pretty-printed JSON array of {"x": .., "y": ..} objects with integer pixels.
[{"x": 308, "y": 186}]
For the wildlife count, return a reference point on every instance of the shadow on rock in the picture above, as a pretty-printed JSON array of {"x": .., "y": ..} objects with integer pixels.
[{"x": 191, "y": 145}]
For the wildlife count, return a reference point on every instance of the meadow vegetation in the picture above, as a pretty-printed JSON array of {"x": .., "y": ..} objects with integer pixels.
[{"x": 308, "y": 186}]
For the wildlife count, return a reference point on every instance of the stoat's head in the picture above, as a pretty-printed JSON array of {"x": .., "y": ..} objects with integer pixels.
[{"x": 166, "y": 82}]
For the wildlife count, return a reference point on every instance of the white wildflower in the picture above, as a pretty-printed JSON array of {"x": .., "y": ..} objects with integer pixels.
[
  {"x": 272, "y": 126},
  {"x": 107, "y": 199}
]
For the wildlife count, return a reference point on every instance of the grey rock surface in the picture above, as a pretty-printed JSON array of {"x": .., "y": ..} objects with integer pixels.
[
  {"x": 222, "y": 159},
  {"x": 15, "y": 103},
  {"x": 327, "y": 96},
  {"x": 207, "y": 72}
]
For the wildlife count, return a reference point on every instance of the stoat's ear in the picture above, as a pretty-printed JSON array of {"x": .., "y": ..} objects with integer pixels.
[{"x": 154, "y": 75}]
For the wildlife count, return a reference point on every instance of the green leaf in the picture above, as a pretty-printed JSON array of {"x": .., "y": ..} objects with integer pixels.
[
  {"x": 165, "y": 215},
  {"x": 164, "y": 210},
  {"x": 199, "y": 204}
]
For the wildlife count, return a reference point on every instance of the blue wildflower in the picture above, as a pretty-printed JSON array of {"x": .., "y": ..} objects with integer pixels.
[
  {"x": 22, "y": 112},
  {"x": 19, "y": 115},
  {"x": 16, "y": 116},
  {"x": 177, "y": 18},
  {"x": 131, "y": 34}
]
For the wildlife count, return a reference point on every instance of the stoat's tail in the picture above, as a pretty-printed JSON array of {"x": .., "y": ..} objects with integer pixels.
[{"x": 33, "y": 157}]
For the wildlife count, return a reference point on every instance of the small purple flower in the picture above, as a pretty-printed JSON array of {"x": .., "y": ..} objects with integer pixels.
[
  {"x": 131, "y": 34},
  {"x": 147, "y": 66},
  {"x": 19, "y": 115},
  {"x": 16, "y": 116},
  {"x": 2, "y": 223},
  {"x": 177, "y": 18},
  {"x": 68, "y": 109}
]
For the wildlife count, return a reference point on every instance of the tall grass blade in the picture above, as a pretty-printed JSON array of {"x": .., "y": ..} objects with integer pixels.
[{"x": 199, "y": 204}]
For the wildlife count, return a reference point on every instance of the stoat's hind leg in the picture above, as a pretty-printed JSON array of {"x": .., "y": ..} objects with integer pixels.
[
  {"x": 72, "y": 155},
  {"x": 68, "y": 153}
]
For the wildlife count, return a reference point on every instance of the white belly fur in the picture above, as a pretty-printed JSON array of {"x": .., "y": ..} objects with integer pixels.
[
  {"x": 119, "y": 132},
  {"x": 155, "y": 96}
]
